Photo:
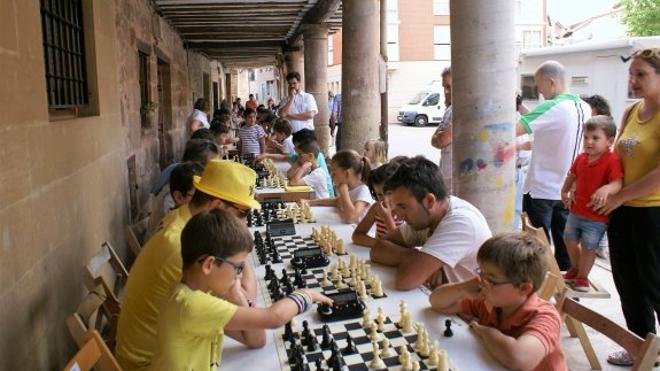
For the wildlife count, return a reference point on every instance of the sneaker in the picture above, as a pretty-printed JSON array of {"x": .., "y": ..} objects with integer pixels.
[
  {"x": 570, "y": 274},
  {"x": 581, "y": 284},
  {"x": 620, "y": 358}
]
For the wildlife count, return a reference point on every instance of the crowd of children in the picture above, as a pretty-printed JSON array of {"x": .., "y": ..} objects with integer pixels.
[{"x": 192, "y": 283}]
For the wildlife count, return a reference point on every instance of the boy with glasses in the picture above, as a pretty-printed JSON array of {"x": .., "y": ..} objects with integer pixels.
[
  {"x": 517, "y": 327},
  {"x": 209, "y": 301},
  {"x": 157, "y": 270}
]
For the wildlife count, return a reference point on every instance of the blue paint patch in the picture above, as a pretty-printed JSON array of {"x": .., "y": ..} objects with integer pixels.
[
  {"x": 504, "y": 126},
  {"x": 498, "y": 164},
  {"x": 467, "y": 165},
  {"x": 481, "y": 164}
]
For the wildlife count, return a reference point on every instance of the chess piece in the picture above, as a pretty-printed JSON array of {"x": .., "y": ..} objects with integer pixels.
[
  {"x": 424, "y": 348},
  {"x": 406, "y": 322},
  {"x": 376, "y": 362},
  {"x": 326, "y": 340},
  {"x": 377, "y": 288},
  {"x": 420, "y": 337},
  {"x": 269, "y": 273},
  {"x": 288, "y": 332},
  {"x": 403, "y": 354},
  {"x": 298, "y": 280},
  {"x": 362, "y": 290},
  {"x": 448, "y": 332},
  {"x": 380, "y": 319},
  {"x": 443, "y": 363},
  {"x": 350, "y": 347},
  {"x": 325, "y": 281},
  {"x": 433, "y": 356},
  {"x": 415, "y": 366},
  {"x": 336, "y": 361},
  {"x": 339, "y": 247},
  {"x": 318, "y": 364},
  {"x": 366, "y": 319},
  {"x": 386, "y": 351},
  {"x": 374, "y": 334},
  {"x": 311, "y": 342}
]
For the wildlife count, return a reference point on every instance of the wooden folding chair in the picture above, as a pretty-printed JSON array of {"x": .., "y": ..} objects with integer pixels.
[
  {"x": 644, "y": 351},
  {"x": 94, "y": 353},
  {"x": 132, "y": 239},
  {"x": 97, "y": 311},
  {"x": 596, "y": 292},
  {"x": 94, "y": 269}
]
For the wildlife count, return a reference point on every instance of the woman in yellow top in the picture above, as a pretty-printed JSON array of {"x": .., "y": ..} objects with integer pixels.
[{"x": 634, "y": 230}]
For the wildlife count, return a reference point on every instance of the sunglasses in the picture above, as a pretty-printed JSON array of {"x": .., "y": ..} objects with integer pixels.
[
  {"x": 650, "y": 53},
  {"x": 489, "y": 281},
  {"x": 238, "y": 267}
]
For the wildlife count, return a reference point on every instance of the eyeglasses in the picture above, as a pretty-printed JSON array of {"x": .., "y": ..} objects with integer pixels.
[
  {"x": 238, "y": 267},
  {"x": 647, "y": 53},
  {"x": 242, "y": 212},
  {"x": 489, "y": 281}
]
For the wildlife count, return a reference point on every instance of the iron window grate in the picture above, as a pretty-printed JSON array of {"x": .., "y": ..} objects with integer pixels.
[{"x": 64, "y": 53}]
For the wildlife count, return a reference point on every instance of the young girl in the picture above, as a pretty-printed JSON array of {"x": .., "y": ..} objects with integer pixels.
[
  {"x": 375, "y": 150},
  {"x": 349, "y": 170},
  {"x": 252, "y": 136},
  {"x": 209, "y": 302},
  {"x": 380, "y": 212}
]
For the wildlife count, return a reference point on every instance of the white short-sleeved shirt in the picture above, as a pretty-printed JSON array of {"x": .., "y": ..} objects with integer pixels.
[
  {"x": 446, "y": 153},
  {"x": 317, "y": 180},
  {"x": 361, "y": 193},
  {"x": 199, "y": 116},
  {"x": 456, "y": 240},
  {"x": 288, "y": 146},
  {"x": 302, "y": 102},
  {"x": 557, "y": 128}
]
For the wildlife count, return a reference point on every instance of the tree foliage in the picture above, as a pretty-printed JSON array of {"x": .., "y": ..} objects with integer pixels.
[{"x": 642, "y": 17}]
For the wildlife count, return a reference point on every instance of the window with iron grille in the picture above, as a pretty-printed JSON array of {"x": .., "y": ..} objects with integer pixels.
[
  {"x": 143, "y": 79},
  {"x": 64, "y": 53}
]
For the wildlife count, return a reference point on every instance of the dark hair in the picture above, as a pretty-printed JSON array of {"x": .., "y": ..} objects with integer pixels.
[
  {"x": 310, "y": 147},
  {"x": 350, "y": 159},
  {"x": 381, "y": 174},
  {"x": 251, "y": 96},
  {"x": 198, "y": 150},
  {"x": 602, "y": 122},
  {"x": 420, "y": 176},
  {"x": 218, "y": 127},
  {"x": 181, "y": 178},
  {"x": 598, "y": 103},
  {"x": 446, "y": 71},
  {"x": 303, "y": 135},
  {"x": 220, "y": 111},
  {"x": 200, "y": 198},
  {"x": 203, "y": 133},
  {"x": 249, "y": 111},
  {"x": 201, "y": 104},
  {"x": 519, "y": 101},
  {"x": 520, "y": 256},
  {"x": 261, "y": 108},
  {"x": 214, "y": 232},
  {"x": 282, "y": 126},
  {"x": 293, "y": 75}
]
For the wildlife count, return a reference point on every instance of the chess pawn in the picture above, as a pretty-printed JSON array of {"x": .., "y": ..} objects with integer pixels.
[
  {"x": 339, "y": 247},
  {"x": 373, "y": 335},
  {"x": 362, "y": 290},
  {"x": 424, "y": 349},
  {"x": 366, "y": 318},
  {"x": 420, "y": 336},
  {"x": 433, "y": 356},
  {"x": 377, "y": 288},
  {"x": 376, "y": 362},
  {"x": 335, "y": 272},
  {"x": 345, "y": 272},
  {"x": 443, "y": 363},
  {"x": 386, "y": 351},
  {"x": 325, "y": 281},
  {"x": 415, "y": 366}
]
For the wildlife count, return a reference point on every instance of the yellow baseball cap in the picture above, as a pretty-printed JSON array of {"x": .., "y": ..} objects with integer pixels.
[{"x": 229, "y": 181}]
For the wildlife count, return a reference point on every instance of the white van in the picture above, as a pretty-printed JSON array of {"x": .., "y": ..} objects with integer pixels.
[{"x": 427, "y": 106}]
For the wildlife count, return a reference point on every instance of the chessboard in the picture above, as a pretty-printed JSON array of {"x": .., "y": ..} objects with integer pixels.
[
  {"x": 273, "y": 211},
  {"x": 278, "y": 249},
  {"x": 275, "y": 287},
  {"x": 349, "y": 345}
]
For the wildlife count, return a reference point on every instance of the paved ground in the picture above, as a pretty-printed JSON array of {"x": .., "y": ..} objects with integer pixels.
[{"x": 412, "y": 141}]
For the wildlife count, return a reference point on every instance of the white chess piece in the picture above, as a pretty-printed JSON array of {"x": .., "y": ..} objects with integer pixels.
[
  {"x": 366, "y": 318},
  {"x": 339, "y": 247},
  {"x": 325, "y": 281},
  {"x": 374, "y": 334},
  {"x": 443, "y": 364},
  {"x": 376, "y": 362},
  {"x": 362, "y": 290},
  {"x": 403, "y": 354},
  {"x": 377, "y": 288},
  {"x": 406, "y": 322},
  {"x": 386, "y": 351},
  {"x": 415, "y": 366}
]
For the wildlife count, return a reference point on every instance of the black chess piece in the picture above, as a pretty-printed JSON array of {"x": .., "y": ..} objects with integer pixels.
[
  {"x": 336, "y": 361},
  {"x": 327, "y": 339},
  {"x": 448, "y": 332},
  {"x": 350, "y": 347},
  {"x": 319, "y": 364},
  {"x": 311, "y": 342},
  {"x": 305, "y": 331},
  {"x": 288, "y": 332},
  {"x": 275, "y": 256},
  {"x": 298, "y": 281},
  {"x": 285, "y": 277},
  {"x": 269, "y": 273}
]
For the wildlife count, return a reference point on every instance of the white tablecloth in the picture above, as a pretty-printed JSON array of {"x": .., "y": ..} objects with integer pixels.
[{"x": 464, "y": 350}]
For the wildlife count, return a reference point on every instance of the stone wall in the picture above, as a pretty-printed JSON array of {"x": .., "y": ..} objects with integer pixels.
[{"x": 62, "y": 186}]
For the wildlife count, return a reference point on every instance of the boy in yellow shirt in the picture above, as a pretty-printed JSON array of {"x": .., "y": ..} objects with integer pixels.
[{"x": 192, "y": 322}]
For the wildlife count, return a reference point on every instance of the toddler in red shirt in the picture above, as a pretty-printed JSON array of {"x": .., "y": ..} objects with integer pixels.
[{"x": 594, "y": 176}]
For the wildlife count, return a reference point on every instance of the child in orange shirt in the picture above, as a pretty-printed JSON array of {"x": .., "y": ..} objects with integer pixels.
[{"x": 517, "y": 327}]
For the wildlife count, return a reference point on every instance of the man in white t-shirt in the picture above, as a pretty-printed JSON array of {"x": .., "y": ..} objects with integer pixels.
[
  {"x": 557, "y": 128},
  {"x": 298, "y": 107},
  {"x": 455, "y": 229}
]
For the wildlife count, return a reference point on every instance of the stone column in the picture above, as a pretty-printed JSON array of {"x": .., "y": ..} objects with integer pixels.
[
  {"x": 360, "y": 72},
  {"x": 384, "y": 88},
  {"x": 484, "y": 117},
  {"x": 315, "y": 37},
  {"x": 295, "y": 61}
]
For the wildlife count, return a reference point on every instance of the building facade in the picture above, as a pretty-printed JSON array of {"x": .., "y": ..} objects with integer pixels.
[{"x": 419, "y": 45}]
